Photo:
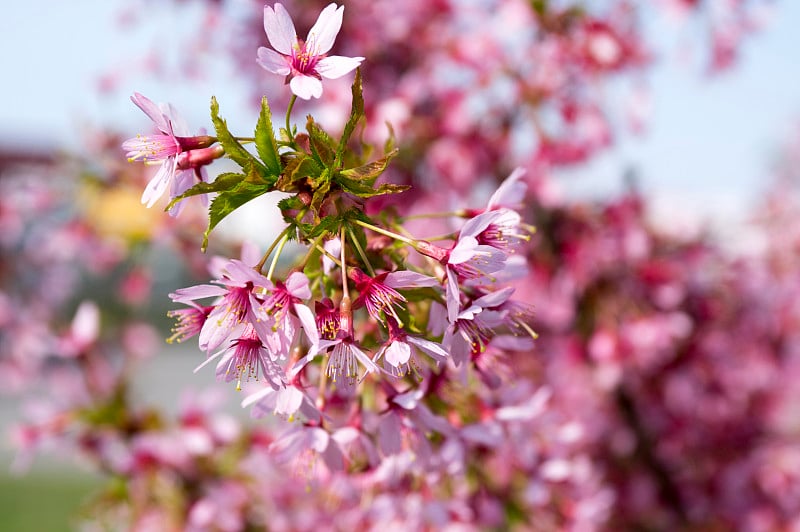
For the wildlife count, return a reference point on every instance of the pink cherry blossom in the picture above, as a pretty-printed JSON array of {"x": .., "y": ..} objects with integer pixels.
[
  {"x": 238, "y": 303},
  {"x": 304, "y": 63},
  {"x": 166, "y": 149},
  {"x": 247, "y": 358},
  {"x": 378, "y": 294}
]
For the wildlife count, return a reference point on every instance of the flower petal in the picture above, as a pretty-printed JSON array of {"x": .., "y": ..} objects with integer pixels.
[
  {"x": 453, "y": 296},
  {"x": 409, "y": 279},
  {"x": 273, "y": 61},
  {"x": 478, "y": 224},
  {"x": 152, "y": 110},
  {"x": 297, "y": 286},
  {"x": 510, "y": 193},
  {"x": 184, "y": 295},
  {"x": 324, "y": 31},
  {"x": 177, "y": 124},
  {"x": 307, "y": 323},
  {"x": 464, "y": 250},
  {"x": 398, "y": 353},
  {"x": 158, "y": 185},
  {"x": 336, "y": 66},
  {"x": 433, "y": 349},
  {"x": 306, "y": 87},
  {"x": 280, "y": 29},
  {"x": 364, "y": 359}
]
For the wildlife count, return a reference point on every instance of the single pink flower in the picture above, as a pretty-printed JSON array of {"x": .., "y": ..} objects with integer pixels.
[
  {"x": 238, "y": 303},
  {"x": 166, "y": 149},
  {"x": 469, "y": 259},
  {"x": 327, "y": 319},
  {"x": 398, "y": 354},
  {"x": 189, "y": 321},
  {"x": 500, "y": 228},
  {"x": 247, "y": 358},
  {"x": 282, "y": 310},
  {"x": 304, "y": 63},
  {"x": 378, "y": 293},
  {"x": 472, "y": 329},
  {"x": 344, "y": 354},
  {"x": 285, "y": 402}
]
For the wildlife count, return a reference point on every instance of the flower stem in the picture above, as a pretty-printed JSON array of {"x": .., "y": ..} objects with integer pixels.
[
  {"x": 260, "y": 266},
  {"x": 325, "y": 252},
  {"x": 361, "y": 253},
  {"x": 345, "y": 291},
  {"x": 283, "y": 241},
  {"x": 382, "y": 231},
  {"x": 302, "y": 264},
  {"x": 288, "y": 116},
  {"x": 452, "y": 214}
]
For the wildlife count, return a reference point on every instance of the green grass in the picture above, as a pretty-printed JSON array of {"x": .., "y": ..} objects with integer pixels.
[{"x": 43, "y": 502}]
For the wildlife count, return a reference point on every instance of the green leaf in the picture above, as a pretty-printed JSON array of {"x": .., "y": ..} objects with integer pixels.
[
  {"x": 320, "y": 192},
  {"x": 356, "y": 114},
  {"x": 364, "y": 190},
  {"x": 266, "y": 145},
  {"x": 229, "y": 201},
  {"x": 297, "y": 169},
  {"x": 233, "y": 149},
  {"x": 329, "y": 223},
  {"x": 322, "y": 145},
  {"x": 223, "y": 182},
  {"x": 369, "y": 172},
  {"x": 391, "y": 141},
  {"x": 290, "y": 203}
]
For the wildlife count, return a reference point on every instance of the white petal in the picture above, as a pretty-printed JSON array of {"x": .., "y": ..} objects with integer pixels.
[
  {"x": 433, "y": 349},
  {"x": 86, "y": 323},
  {"x": 494, "y": 299},
  {"x": 308, "y": 323},
  {"x": 280, "y": 29},
  {"x": 337, "y": 66},
  {"x": 209, "y": 359},
  {"x": 297, "y": 286},
  {"x": 409, "y": 279},
  {"x": 361, "y": 356},
  {"x": 289, "y": 401},
  {"x": 306, "y": 87},
  {"x": 398, "y": 353},
  {"x": 324, "y": 31},
  {"x": 478, "y": 224},
  {"x": 178, "y": 124},
  {"x": 464, "y": 250},
  {"x": 453, "y": 296},
  {"x": 152, "y": 110},
  {"x": 273, "y": 61},
  {"x": 158, "y": 185},
  {"x": 510, "y": 193},
  {"x": 254, "y": 398}
]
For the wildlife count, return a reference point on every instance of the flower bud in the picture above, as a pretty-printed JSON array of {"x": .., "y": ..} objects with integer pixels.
[{"x": 198, "y": 158}]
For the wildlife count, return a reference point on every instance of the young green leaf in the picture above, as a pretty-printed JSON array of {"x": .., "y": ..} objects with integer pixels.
[
  {"x": 320, "y": 193},
  {"x": 223, "y": 182},
  {"x": 266, "y": 145},
  {"x": 233, "y": 149},
  {"x": 229, "y": 201},
  {"x": 369, "y": 172},
  {"x": 322, "y": 145},
  {"x": 297, "y": 169},
  {"x": 365, "y": 190},
  {"x": 356, "y": 114}
]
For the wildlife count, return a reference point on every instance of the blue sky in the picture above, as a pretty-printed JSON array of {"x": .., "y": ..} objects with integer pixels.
[{"x": 708, "y": 149}]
